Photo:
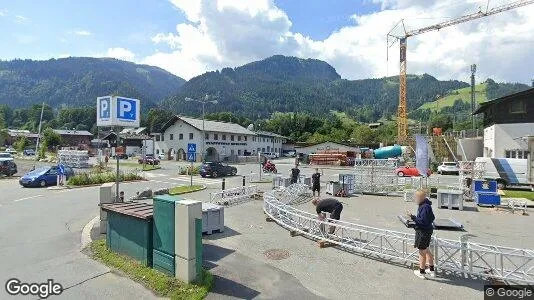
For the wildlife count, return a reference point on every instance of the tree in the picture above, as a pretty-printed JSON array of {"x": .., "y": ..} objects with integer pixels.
[
  {"x": 50, "y": 139},
  {"x": 21, "y": 143}
]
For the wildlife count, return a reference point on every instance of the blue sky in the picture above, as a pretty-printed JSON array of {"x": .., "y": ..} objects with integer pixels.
[{"x": 190, "y": 37}]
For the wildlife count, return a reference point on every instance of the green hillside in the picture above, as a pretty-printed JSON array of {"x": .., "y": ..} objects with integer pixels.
[{"x": 463, "y": 94}]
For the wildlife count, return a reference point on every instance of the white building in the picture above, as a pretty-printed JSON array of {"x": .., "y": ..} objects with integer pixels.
[
  {"x": 506, "y": 121},
  {"x": 223, "y": 141}
]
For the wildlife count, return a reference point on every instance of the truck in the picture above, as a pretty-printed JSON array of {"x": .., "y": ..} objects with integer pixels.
[{"x": 507, "y": 172}]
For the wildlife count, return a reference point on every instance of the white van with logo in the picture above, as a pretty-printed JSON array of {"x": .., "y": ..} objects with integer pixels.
[{"x": 506, "y": 171}]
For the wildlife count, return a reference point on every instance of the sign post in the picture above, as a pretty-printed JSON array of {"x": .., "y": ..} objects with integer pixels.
[
  {"x": 116, "y": 111},
  {"x": 191, "y": 156}
]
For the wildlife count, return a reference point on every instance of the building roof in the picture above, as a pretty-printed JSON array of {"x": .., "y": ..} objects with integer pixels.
[
  {"x": 487, "y": 104},
  {"x": 73, "y": 132},
  {"x": 213, "y": 126},
  {"x": 139, "y": 130},
  {"x": 267, "y": 133},
  {"x": 18, "y": 132}
]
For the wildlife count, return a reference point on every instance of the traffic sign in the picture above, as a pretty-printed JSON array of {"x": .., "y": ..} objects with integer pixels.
[
  {"x": 191, "y": 156},
  {"x": 191, "y": 148},
  {"x": 117, "y": 111}
]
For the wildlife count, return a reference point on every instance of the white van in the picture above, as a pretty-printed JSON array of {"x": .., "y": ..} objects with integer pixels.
[{"x": 506, "y": 171}]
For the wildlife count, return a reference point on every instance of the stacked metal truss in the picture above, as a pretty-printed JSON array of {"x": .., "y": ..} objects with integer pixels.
[
  {"x": 468, "y": 171},
  {"x": 234, "y": 196},
  {"x": 375, "y": 176},
  {"x": 74, "y": 158},
  {"x": 461, "y": 257}
]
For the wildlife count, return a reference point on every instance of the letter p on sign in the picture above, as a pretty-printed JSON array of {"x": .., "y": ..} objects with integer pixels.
[{"x": 124, "y": 107}]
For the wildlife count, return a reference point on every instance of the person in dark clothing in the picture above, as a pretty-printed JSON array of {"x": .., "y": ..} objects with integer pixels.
[
  {"x": 423, "y": 234},
  {"x": 316, "y": 183},
  {"x": 329, "y": 205},
  {"x": 295, "y": 172}
]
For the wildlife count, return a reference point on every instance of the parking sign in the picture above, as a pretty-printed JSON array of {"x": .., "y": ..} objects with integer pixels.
[{"x": 118, "y": 111}]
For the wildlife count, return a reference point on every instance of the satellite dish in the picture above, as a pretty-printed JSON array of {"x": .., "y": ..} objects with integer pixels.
[{"x": 250, "y": 127}]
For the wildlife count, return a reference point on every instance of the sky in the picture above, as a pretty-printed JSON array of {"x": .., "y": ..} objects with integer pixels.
[{"x": 190, "y": 37}]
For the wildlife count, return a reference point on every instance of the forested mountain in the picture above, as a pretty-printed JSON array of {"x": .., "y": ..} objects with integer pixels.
[
  {"x": 77, "y": 81},
  {"x": 290, "y": 84}
]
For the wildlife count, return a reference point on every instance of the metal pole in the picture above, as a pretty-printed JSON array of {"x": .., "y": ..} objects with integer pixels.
[
  {"x": 39, "y": 134},
  {"x": 473, "y": 70},
  {"x": 117, "y": 157},
  {"x": 191, "y": 172}
]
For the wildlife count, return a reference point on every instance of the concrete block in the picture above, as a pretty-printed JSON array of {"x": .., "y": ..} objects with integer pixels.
[
  {"x": 186, "y": 211},
  {"x": 185, "y": 269}
]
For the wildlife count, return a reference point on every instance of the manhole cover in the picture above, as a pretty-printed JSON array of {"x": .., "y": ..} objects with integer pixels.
[{"x": 276, "y": 254}]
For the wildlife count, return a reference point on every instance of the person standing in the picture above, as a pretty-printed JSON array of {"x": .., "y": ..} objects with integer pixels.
[
  {"x": 423, "y": 234},
  {"x": 329, "y": 205},
  {"x": 316, "y": 183},
  {"x": 295, "y": 172}
]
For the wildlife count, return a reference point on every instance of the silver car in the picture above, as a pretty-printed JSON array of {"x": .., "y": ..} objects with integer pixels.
[{"x": 448, "y": 168}]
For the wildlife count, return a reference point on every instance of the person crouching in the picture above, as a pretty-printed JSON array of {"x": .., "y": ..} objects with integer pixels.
[{"x": 331, "y": 206}]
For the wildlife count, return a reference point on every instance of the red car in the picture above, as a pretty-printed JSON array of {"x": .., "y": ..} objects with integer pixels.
[
  {"x": 409, "y": 172},
  {"x": 149, "y": 160}
]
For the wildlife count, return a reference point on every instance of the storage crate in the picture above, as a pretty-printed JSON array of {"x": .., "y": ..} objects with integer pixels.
[
  {"x": 212, "y": 218},
  {"x": 450, "y": 199},
  {"x": 490, "y": 199},
  {"x": 481, "y": 185}
]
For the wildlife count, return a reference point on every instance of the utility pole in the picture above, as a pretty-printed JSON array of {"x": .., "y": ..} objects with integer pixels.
[
  {"x": 39, "y": 134},
  {"x": 204, "y": 101},
  {"x": 473, "y": 71}
]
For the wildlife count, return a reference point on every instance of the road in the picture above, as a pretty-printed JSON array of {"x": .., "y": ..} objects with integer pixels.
[{"x": 40, "y": 239}]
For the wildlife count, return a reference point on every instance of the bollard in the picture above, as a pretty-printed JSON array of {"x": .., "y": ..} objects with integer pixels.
[
  {"x": 223, "y": 184},
  {"x": 244, "y": 180}
]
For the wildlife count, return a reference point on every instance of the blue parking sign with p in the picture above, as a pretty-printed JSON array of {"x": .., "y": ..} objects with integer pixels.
[
  {"x": 126, "y": 109},
  {"x": 105, "y": 107}
]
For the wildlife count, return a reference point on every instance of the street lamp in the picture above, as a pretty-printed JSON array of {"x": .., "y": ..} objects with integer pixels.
[{"x": 203, "y": 101}]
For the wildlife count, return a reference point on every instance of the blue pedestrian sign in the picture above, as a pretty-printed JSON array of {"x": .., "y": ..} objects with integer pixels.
[
  {"x": 191, "y": 152},
  {"x": 191, "y": 148}
]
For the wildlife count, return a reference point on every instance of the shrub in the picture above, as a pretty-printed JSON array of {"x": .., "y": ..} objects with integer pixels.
[
  {"x": 185, "y": 170},
  {"x": 101, "y": 177}
]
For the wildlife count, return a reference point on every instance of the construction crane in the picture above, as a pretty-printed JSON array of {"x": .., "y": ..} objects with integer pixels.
[{"x": 402, "y": 121}]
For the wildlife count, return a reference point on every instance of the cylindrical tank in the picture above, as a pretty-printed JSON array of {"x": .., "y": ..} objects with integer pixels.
[{"x": 388, "y": 152}]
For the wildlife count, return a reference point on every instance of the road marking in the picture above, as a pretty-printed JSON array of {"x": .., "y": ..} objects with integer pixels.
[
  {"x": 86, "y": 232},
  {"x": 186, "y": 178},
  {"x": 154, "y": 175},
  {"x": 26, "y": 198}
]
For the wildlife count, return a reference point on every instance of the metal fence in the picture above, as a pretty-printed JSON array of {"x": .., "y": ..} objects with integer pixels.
[
  {"x": 462, "y": 257},
  {"x": 233, "y": 196}
]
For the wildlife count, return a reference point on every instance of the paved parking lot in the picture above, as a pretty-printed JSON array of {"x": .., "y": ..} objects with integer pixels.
[{"x": 48, "y": 224}]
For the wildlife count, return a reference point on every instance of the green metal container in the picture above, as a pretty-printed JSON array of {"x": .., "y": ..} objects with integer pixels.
[
  {"x": 163, "y": 233},
  {"x": 129, "y": 230}
]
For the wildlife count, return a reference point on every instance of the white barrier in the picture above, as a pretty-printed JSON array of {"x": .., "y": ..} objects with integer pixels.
[
  {"x": 509, "y": 265},
  {"x": 234, "y": 195}
]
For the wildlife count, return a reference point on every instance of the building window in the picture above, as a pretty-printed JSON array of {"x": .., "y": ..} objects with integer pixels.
[
  {"x": 259, "y": 149},
  {"x": 245, "y": 138},
  {"x": 232, "y": 152},
  {"x": 171, "y": 137},
  {"x": 264, "y": 140},
  {"x": 157, "y": 138},
  {"x": 238, "y": 152},
  {"x": 157, "y": 151},
  {"x": 253, "y": 138},
  {"x": 163, "y": 137},
  {"x": 207, "y": 136},
  {"x": 181, "y": 136},
  {"x": 232, "y": 137},
  {"x": 224, "y": 137},
  {"x": 518, "y": 153},
  {"x": 239, "y": 138},
  {"x": 216, "y": 137},
  {"x": 191, "y": 136},
  {"x": 517, "y": 107},
  {"x": 263, "y": 150},
  {"x": 268, "y": 148}
]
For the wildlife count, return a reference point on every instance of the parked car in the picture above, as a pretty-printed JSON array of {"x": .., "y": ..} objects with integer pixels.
[
  {"x": 121, "y": 156},
  {"x": 28, "y": 152},
  {"x": 6, "y": 155},
  {"x": 448, "y": 168},
  {"x": 149, "y": 160},
  {"x": 216, "y": 169},
  {"x": 11, "y": 151},
  {"x": 290, "y": 154},
  {"x": 271, "y": 155},
  {"x": 8, "y": 167},
  {"x": 44, "y": 176},
  {"x": 409, "y": 172}
]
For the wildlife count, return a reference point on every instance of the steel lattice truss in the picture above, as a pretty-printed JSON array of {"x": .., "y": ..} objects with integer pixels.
[
  {"x": 509, "y": 265},
  {"x": 468, "y": 171},
  {"x": 233, "y": 196}
]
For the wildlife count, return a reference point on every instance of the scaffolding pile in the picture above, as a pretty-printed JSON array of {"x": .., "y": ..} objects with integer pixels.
[
  {"x": 74, "y": 158},
  {"x": 376, "y": 176},
  {"x": 468, "y": 171}
]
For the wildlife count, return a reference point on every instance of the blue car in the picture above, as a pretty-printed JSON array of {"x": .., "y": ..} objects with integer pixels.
[{"x": 44, "y": 176}]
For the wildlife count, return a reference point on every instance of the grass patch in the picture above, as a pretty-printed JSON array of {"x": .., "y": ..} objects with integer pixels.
[
  {"x": 519, "y": 194},
  {"x": 184, "y": 189},
  {"x": 162, "y": 284},
  {"x": 262, "y": 181},
  {"x": 151, "y": 167},
  {"x": 463, "y": 94}
]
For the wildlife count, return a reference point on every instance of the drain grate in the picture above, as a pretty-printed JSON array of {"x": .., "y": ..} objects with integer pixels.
[{"x": 276, "y": 254}]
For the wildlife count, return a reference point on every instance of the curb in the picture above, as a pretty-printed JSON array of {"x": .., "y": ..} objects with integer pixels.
[
  {"x": 201, "y": 189},
  {"x": 85, "y": 238}
]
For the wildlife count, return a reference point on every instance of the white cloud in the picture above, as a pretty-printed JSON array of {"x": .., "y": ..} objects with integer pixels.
[
  {"x": 21, "y": 19},
  {"x": 222, "y": 33},
  {"x": 120, "y": 53},
  {"x": 82, "y": 32}
]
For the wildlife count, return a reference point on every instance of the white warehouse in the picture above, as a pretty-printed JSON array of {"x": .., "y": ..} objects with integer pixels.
[{"x": 222, "y": 141}]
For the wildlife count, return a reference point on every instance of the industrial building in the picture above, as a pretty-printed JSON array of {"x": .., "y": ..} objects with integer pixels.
[{"x": 507, "y": 121}]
